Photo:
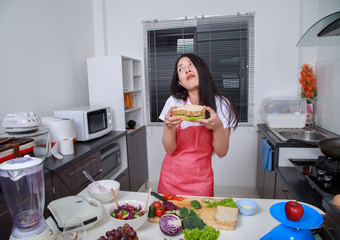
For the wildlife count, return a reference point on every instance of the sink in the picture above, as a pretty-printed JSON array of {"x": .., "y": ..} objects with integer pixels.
[{"x": 303, "y": 135}]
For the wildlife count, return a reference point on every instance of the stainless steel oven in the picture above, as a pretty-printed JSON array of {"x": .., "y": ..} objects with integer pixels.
[{"x": 111, "y": 160}]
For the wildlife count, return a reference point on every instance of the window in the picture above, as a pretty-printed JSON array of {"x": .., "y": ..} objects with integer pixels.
[{"x": 226, "y": 43}]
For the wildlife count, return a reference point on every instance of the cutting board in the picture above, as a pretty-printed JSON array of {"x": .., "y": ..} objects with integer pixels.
[{"x": 205, "y": 213}]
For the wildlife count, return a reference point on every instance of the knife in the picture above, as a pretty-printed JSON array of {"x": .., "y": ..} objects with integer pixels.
[
  {"x": 156, "y": 195},
  {"x": 169, "y": 204}
]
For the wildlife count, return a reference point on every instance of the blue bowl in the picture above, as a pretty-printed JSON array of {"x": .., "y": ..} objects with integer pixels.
[{"x": 246, "y": 206}]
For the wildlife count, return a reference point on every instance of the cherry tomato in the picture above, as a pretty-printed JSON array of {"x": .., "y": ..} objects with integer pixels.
[
  {"x": 120, "y": 216},
  {"x": 160, "y": 211},
  {"x": 157, "y": 204}
]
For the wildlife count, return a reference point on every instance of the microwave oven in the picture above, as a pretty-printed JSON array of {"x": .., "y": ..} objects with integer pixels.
[{"x": 90, "y": 122}]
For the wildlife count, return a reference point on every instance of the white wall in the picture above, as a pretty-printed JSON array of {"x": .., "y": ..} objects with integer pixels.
[
  {"x": 43, "y": 49},
  {"x": 44, "y": 45},
  {"x": 276, "y": 66}
]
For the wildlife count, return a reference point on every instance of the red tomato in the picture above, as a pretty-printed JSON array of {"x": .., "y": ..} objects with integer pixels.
[
  {"x": 120, "y": 216},
  {"x": 179, "y": 198},
  {"x": 166, "y": 195},
  {"x": 172, "y": 197},
  {"x": 157, "y": 204},
  {"x": 160, "y": 211}
]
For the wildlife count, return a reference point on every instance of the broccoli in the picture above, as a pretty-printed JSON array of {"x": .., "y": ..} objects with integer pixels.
[
  {"x": 193, "y": 222},
  {"x": 184, "y": 212},
  {"x": 195, "y": 204}
]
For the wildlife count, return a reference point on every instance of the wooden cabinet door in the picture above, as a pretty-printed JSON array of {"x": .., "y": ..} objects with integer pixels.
[
  {"x": 137, "y": 158},
  {"x": 281, "y": 189},
  {"x": 124, "y": 180},
  {"x": 71, "y": 181}
]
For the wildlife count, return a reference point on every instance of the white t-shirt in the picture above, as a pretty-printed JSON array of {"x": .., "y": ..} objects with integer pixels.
[{"x": 178, "y": 102}]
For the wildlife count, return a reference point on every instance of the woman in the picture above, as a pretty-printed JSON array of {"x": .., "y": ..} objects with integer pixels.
[{"x": 186, "y": 168}]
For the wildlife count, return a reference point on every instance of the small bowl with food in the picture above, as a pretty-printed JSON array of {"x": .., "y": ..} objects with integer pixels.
[
  {"x": 102, "y": 195},
  {"x": 131, "y": 212},
  {"x": 247, "y": 206}
]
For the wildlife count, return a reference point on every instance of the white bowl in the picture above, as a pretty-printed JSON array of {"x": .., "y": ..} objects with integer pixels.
[
  {"x": 246, "y": 206},
  {"x": 104, "y": 197},
  {"x": 134, "y": 223}
]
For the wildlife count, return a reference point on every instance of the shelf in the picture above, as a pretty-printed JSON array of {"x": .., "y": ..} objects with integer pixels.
[
  {"x": 132, "y": 109},
  {"x": 133, "y": 91}
]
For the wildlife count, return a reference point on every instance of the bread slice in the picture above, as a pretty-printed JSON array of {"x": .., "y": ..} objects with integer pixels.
[
  {"x": 226, "y": 216},
  {"x": 190, "y": 111}
]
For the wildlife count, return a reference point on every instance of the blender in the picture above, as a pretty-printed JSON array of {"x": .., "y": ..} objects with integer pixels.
[{"x": 22, "y": 184}]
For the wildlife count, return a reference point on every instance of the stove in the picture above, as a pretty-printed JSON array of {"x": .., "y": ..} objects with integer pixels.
[{"x": 323, "y": 175}]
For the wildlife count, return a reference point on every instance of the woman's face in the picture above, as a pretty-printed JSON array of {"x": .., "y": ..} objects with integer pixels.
[{"x": 187, "y": 74}]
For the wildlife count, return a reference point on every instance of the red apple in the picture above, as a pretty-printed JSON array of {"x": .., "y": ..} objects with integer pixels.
[{"x": 294, "y": 211}]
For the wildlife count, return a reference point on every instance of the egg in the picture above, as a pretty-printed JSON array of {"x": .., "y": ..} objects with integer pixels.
[{"x": 336, "y": 201}]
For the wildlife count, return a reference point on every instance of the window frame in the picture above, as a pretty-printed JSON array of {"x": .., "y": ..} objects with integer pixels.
[{"x": 192, "y": 22}]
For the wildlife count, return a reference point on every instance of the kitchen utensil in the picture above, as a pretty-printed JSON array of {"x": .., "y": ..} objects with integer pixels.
[
  {"x": 147, "y": 200},
  {"x": 88, "y": 209},
  {"x": 99, "y": 186},
  {"x": 156, "y": 195},
  {"x": 103, "y": 197},
  {"x": 290, "y": 229},
  {"x": 22, "y": 185},
  {"x": 330, "y": 147},
  {"x": 246, "y": 206},
  {"x": 134, "y": 223},
  {"x": 21, "y": 122},
  {"x": 114, "y": 196}
]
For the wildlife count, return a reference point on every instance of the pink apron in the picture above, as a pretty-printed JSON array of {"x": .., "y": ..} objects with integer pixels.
[{"x": 188, "y": 170}]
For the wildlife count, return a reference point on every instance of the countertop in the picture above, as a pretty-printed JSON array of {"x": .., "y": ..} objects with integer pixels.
[
  {"x": 248, "y": 227},
  {"x": 81, "y": 151}
]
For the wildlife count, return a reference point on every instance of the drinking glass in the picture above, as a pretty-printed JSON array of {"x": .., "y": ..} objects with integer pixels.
[{"x": 75, "y": 224}]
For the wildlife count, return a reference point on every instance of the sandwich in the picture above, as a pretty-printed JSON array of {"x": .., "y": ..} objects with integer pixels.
[
  {"x": 189, "y": 112},
  {"x": 226, "y": 216}
]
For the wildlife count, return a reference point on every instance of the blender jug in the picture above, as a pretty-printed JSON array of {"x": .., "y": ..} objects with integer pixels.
[{"x": 22, "y": 183}]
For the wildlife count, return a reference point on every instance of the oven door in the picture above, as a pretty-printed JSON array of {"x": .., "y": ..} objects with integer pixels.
[{"x": 111, "y": 160}]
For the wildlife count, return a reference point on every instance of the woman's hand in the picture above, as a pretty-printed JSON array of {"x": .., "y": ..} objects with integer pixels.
[
  {"x": 169, "y": 132},
  {"x": 220, "y": 134},
  {"x": 213, "y": 122},
  {"x": 170, "y": 121}
]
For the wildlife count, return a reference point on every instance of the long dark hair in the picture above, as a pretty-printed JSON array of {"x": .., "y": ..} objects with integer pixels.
[{"x": 207, "y": 89}]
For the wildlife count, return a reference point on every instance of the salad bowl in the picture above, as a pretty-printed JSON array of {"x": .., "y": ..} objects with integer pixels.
[{"x": 131, "y": 212}]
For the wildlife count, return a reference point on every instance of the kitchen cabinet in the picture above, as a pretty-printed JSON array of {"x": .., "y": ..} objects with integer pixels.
[
  {"x": 116, "y": 81},
  {"x": 71, "y": 180},
  {"x": 265, "y": 180},
  {"x": 281, "y": 189},
  {"x": 124, "y": 180},
  {"x": 137, "y": 158}
]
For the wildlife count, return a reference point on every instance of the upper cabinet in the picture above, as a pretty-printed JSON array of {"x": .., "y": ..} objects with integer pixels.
[
  {"x": 325, "y": 32},
  {"x": 116, "y": 81}
]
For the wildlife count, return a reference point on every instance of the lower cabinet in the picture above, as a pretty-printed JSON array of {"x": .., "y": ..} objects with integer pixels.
[
  {"x": 124, "y": 180},
  {"x": 137, "y": 158},
  {"x": 282, "y": 190},
  {"x": 265, "y": 180},
  {"x": 5, "y": 222},
  {"x": 71, "y": 181}
]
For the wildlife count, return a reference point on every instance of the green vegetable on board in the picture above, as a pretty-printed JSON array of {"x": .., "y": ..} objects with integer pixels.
[
  {"x": 227, "y": 202},
  {"x": 195, "y": 204}
]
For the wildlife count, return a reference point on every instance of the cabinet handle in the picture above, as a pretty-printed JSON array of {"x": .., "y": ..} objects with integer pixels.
[
  {"x": 93, "y": 160},
  {"x": 261, "y": 135},
  {"x": 284, "y": 193}
]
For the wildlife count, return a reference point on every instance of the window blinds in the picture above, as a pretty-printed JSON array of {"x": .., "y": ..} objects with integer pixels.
[{"x": 226, "y": 43}]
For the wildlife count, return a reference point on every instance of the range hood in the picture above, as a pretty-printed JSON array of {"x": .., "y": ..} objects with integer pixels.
[{"x": 326, "y": 32}]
